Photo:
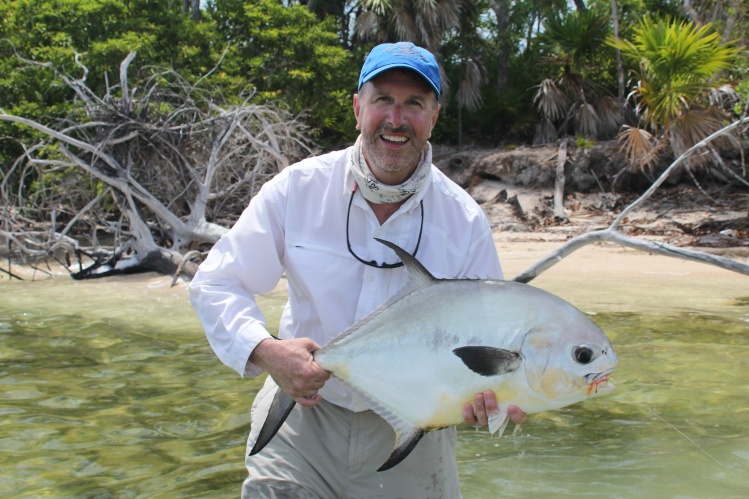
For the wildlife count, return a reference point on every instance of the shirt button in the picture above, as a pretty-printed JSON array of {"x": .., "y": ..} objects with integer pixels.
[{"x": 370, "y": 277}]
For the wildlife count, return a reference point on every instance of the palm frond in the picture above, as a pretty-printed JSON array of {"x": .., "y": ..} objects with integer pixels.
[
  {"x": 638, "y": 146},
  {"x": 546, "y": 132},
  {"x": 469, "y": 92},
  {"x": 379, "y": 7},
  {"x": 366, "y": 24},
  {"x": 586, "y": 120},
  {"x": 609, "y": 112},
  {"x": 693, "y": 126},
  {"x": 550, "y": 100},
  {"x": 575, "y": 37}
]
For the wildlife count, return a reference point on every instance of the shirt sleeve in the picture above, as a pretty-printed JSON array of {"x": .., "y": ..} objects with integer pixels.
[
  {"x": 484, "y": 261},
  {"x": 245, "y": 262}
]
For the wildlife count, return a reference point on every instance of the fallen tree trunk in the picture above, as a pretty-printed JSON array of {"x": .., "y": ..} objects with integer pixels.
[{"x": 159, "y": 260}]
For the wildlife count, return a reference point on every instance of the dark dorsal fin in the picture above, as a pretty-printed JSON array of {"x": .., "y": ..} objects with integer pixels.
[
  {"x": 488, "y": 361},
  {"x": 418, "y": 275},
  {"x": 279, "y": 410}
]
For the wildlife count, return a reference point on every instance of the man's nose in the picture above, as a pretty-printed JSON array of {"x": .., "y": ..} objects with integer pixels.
[{"x": 397, "y": 115}]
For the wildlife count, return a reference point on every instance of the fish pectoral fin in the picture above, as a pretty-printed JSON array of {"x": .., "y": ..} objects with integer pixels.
[
  {"x": 498, "y": 422},
  {"x": 279, "y": 410},
  {"x": 405, "y": 441},
  {"x": 488, "y": 361}
]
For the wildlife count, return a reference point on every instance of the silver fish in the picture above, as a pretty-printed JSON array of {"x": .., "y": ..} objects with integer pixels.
[{"x": 419, "y": 357}]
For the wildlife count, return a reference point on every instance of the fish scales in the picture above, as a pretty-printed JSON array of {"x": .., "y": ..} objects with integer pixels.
[{"x": 418, "y": 358}]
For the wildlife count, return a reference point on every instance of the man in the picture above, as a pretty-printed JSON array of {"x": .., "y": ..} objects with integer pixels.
[{"x": 316, "y": 222}]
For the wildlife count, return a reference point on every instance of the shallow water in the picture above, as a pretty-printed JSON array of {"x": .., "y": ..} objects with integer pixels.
[{"x": 109, "y": 389}]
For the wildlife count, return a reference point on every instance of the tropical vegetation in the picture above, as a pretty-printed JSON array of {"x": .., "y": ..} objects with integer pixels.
[
  {"x": 114, "y": 113},
  {"x": 514, "y": 70}
]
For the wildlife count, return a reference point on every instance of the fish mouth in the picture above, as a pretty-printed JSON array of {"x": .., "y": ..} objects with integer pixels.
[{"x": 596, "y": 379}]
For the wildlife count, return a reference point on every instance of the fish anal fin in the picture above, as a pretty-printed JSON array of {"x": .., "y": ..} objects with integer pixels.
[
  {"x": 498, "y": 422},
  {"x": 404, "y": 444},
  {"x": 488, "y": 361},
  {"x": 279, "y": 410},
  {"x": 407, "y": 434}
]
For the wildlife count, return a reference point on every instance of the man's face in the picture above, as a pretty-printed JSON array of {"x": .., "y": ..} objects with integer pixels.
[{"x": 396, "y": 112}]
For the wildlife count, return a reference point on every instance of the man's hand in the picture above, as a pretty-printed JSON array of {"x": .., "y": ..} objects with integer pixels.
[
  {"x": 486, "y": 403},
  {"x": 292, "y": 367}
]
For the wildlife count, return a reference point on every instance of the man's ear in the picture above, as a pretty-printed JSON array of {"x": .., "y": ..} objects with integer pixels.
[
  {"x": 435, "y": 115},
  {"x": 357, "y": 110}
]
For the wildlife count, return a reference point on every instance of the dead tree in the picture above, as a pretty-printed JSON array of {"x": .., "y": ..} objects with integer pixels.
[
  {"x": 143, "y": 175},
  {"x": 611, "y": 234}
]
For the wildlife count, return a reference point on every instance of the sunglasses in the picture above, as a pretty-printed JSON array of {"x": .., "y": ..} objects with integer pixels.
[{"x": 373, "y": 263}]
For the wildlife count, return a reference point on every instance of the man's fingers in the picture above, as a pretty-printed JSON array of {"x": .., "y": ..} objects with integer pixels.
[
  {"x": 481, "y": 417},
  {"x": 309, "y": 401},
  {"x": 485, "y": 404},
  {"x": 516, "y": 414}
]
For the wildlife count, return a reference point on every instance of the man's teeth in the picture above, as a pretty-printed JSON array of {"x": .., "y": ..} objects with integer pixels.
[{"x": 395, "y": 138}]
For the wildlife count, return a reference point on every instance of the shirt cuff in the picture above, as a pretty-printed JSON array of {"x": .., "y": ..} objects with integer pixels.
[{"x": 246, "y": 342}]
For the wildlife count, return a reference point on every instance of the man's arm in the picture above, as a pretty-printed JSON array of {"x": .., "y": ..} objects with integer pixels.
[{"x": 247, "y": 261}]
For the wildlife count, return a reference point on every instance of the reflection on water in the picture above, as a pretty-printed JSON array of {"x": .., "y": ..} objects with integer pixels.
[{"x": 109, "y": 389}]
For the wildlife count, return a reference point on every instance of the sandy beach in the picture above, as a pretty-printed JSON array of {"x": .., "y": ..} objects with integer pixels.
[
  {"x": 615, "y": 278},
  {"x": 601, "y": 276}
]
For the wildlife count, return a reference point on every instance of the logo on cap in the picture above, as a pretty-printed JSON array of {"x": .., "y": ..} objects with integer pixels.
[{"x": 404, "y": 49}]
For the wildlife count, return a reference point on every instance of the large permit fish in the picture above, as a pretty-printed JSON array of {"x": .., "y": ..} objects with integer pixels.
[{"x": 423, "y": 354}]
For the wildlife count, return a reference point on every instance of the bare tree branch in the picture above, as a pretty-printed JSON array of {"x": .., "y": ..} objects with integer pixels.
[
  {"x": 163, "y": 166},
  {"x": 610, "y": 234}
]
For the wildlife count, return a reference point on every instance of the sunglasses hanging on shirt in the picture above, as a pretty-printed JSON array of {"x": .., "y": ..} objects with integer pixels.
[{"x": 373, "y": 263}]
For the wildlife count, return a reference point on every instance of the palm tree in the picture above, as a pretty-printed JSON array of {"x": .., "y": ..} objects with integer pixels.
[
  {"x": 677, "y": 63},
  {"x": 423, "y": 22},
  {"x": 570, "y": 102}
]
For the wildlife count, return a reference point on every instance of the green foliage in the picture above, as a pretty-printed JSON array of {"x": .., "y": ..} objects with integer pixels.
[
  {"x": 97, "y": 34},
  {"x": 290, "y": 57},
  {"x": 575, "y": 99},
  {"x": 573, "y": 39},
  {"x": 676, "y": 66},
  {"x": 303, "y": 55},
  {"x": 582, "y": 142}
]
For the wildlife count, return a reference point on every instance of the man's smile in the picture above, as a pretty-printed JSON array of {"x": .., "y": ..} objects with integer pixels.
[{"x": 394, "y": 138}]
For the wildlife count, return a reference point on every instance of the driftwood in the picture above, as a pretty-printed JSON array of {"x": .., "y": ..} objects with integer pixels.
[
  {"x": 161, "y": 170},
  {"x": 611, "y": 234},
  {"x": 154, "y": 168},
  {"x": 559, "y": 182}
]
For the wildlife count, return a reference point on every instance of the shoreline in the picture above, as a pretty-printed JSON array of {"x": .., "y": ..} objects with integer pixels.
[
  {"x": 598, "y": 277},
  {"x": 527, "y": 247}
]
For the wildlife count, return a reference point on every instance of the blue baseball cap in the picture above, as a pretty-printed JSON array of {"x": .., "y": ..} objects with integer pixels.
[{"x": 401, "y": 55}]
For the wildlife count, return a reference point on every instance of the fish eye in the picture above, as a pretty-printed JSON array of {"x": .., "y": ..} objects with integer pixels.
[{"x": 583, "y": 354}]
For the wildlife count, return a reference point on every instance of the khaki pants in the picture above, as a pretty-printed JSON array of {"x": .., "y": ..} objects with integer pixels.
[{"x": 328, "y": 452}]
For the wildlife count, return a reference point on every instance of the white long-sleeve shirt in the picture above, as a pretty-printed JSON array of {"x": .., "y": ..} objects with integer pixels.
[{"x": 297, "y": 225}]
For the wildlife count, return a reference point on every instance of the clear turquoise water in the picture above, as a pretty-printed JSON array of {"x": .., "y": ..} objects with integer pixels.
[{"x": 109, "y": 389}]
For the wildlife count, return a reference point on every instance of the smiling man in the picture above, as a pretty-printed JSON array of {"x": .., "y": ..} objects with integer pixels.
[{"x": 315, "y": 223}]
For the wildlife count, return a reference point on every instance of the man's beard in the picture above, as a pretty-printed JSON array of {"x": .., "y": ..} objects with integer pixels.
[{"x": 393, "y": 161}]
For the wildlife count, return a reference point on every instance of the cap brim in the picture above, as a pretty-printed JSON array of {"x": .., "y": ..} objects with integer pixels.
[{"x": 388, "y": 67}]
